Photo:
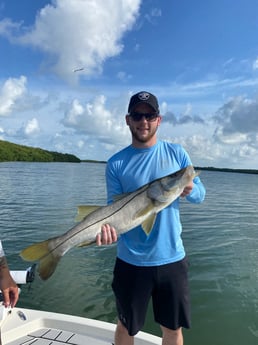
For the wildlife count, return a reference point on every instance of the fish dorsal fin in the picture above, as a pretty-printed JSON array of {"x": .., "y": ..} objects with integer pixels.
[
  {"x": 147, "y": 225},
  {"x": 84, "y": 210}
]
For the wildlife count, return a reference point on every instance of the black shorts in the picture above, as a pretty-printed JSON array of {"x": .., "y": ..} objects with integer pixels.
[{"x": 133, "y": 287}]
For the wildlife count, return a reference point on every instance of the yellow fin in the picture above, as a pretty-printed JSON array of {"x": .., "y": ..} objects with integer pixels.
[
  {"x": 145, "y": 211},
  {"x": 85, "y": 210},
  {"x": 85, "y": 244},
  {"x": 147, "y": 225},
  {"x": 40, "y": 252},
  {"x": 35, "y": 251}
]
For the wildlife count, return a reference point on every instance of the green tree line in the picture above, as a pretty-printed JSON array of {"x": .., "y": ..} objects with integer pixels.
[{"x": 10, "y": 152}]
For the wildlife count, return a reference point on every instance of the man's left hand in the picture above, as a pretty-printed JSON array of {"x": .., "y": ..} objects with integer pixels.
[{"x": 187, "y": 190}]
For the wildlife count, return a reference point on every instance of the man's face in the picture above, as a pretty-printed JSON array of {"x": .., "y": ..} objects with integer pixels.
[{"x": 143, "y": 128}]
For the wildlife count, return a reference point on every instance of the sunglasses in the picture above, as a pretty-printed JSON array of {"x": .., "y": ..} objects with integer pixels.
[{"x": 148, "y": 117}]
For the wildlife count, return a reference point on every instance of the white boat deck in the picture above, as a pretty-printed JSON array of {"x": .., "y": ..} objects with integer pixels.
[
  {"x": 50, "y": 336},
  {"x": 32, "y": 327}
]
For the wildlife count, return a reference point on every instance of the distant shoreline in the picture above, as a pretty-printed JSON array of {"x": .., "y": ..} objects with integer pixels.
[
  {"x": 241, "y": 171},
  {"x": 229, "y": 170}
]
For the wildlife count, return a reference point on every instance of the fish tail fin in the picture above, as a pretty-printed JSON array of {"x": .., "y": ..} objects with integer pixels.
[{"x": 48, "y": 260}]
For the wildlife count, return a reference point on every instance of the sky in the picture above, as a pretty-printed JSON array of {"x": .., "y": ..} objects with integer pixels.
[{"x": 69, "y": 67}]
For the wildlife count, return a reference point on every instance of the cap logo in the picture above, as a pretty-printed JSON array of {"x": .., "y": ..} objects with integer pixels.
[{"x": 143, "y": 96}]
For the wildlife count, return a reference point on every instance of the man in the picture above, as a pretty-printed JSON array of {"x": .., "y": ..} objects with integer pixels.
[
  {"x": 8, "y": 287},
  {"x": 153, "y": 266}
]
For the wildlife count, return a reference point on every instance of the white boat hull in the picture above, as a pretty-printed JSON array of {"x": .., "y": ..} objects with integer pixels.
[{"x": 24, "y": 327}]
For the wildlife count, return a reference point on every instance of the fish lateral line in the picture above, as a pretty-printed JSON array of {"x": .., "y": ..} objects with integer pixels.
[
  {"x": 51, "y": 250},
  {"x": 134, "y": 195},
  {"x": 48, "y": 253}
]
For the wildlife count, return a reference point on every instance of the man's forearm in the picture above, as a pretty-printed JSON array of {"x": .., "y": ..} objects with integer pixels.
[
  {"x": 3, "y": 261},
  {"x": 8, "y": 286}
]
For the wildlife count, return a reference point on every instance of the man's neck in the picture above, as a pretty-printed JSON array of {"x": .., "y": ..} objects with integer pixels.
[{"x": 144, "y": 145}]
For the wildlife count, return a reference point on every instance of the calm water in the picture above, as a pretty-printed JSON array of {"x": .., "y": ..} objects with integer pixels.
[{"x": 38, "y": 201}]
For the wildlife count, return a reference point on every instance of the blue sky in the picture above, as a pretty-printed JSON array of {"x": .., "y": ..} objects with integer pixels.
[{"x": 68, "y": 68}]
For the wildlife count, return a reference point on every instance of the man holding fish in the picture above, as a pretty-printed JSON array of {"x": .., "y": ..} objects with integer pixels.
[
  {"x": 144, "y": 183},
  {"x": 151, "y": 260}
]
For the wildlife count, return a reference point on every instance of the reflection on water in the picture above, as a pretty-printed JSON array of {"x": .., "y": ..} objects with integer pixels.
[{"x": 38, "y": 201}]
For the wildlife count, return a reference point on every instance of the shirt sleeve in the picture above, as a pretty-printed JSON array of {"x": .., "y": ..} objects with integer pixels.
[{"x": 198, "y": 193}]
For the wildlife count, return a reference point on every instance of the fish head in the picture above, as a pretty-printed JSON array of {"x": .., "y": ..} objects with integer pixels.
[
  {"x": 180, "y": 178},
  {"x": 171, "y": 186}
]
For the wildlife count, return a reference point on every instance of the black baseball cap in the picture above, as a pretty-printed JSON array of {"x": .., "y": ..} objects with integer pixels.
[{"x": 143, "y": 97}]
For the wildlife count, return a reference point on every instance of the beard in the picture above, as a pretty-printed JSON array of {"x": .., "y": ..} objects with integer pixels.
[{"x": 143, "y": 138}]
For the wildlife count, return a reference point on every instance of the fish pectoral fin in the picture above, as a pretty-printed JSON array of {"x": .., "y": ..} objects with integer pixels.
[
  {"x": 147, "y": 225},
  {"x": 85, "y": 210},
  {"x": 144, "y": 211},
  {"x": 85, "y": 244}
]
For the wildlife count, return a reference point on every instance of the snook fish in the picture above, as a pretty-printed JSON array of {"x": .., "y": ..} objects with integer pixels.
[{"x": 133, "y": 209}]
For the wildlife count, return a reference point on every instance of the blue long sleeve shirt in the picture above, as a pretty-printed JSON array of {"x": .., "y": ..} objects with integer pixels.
[{"x": 129, "y": 170}]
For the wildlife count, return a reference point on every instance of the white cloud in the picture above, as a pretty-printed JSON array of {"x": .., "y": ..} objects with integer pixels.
[
  {"x": 12, "y": 90},
  {"x": 95, "y": 128},
  {"x": 8, "y": 28},
  {"x": 228, "y": 138},
  {"x": 78, "y": 34},
  {"x": 239, "y": 115},
  {"x": 32, "y": 127},
  {"x": 74, "y": 114},
  {"x": 96, "y": 121},
  {"x": 246, "y": 151}
]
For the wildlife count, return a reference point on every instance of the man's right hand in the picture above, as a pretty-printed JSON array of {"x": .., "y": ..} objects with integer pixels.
[
  {"x": 9, "y": 288},
  {"x": 108, "y": 235}
]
